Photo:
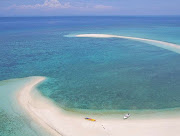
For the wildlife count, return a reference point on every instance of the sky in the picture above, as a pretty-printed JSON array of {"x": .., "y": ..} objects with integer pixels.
[{"x": 88, "y": 7}]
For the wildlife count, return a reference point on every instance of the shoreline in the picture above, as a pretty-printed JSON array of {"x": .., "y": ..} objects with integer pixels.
[
  {"x": 26, "y": 103},
  {"x": 165, "y": 45},
  {"x": 59, "y": 123}
]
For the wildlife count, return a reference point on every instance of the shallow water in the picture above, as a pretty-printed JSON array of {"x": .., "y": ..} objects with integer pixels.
[
  {"x": 13, "y": 121},
  {"x": 95, "y": 74}
]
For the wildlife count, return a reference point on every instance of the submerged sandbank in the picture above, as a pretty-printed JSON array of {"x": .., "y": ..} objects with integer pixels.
[
  {"x": 161, "y": 44},
  {"x": 59, "y": 122},
  {"x": 13, "y": 120}
]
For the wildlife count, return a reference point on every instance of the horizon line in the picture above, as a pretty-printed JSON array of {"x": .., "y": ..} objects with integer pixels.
[{"x": 97, "y": 16}]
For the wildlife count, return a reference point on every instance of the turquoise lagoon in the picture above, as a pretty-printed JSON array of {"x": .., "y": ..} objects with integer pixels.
[
  {"x": 92, "y": 73},
  {"x": 88, "y": 74}
]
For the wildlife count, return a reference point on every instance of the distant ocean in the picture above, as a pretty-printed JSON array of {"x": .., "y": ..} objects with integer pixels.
[{"x": 93, "y": 73}]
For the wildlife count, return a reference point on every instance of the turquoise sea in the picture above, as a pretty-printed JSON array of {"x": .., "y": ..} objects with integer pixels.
[{"x": 94, "y": 74}]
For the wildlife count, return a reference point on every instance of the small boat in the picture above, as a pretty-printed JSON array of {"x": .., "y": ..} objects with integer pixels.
[
  {"x": 90, "y": 119},
  {"x": 126, "y": 116}
]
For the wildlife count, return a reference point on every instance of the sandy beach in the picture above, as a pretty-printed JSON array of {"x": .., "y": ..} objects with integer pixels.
[
  {"x": 58, "y": 122},
  {"x": 161, "y": 44}
]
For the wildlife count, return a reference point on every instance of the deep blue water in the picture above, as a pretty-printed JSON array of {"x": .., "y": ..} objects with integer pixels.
[{"x": 92, "y": 73}]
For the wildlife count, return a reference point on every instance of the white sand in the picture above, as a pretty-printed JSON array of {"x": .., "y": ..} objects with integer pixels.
[
  {"x": 161, "y": 44},
  {"x": 58, "y": 122}
]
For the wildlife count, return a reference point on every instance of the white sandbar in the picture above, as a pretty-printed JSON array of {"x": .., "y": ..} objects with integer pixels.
[
  {"x": 161, "y": 44},
  {"x": 58, "y": 122}
]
